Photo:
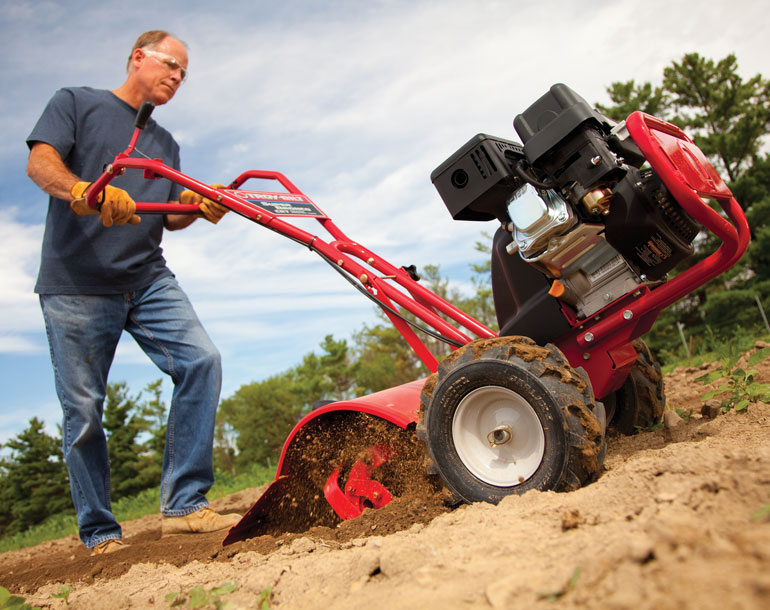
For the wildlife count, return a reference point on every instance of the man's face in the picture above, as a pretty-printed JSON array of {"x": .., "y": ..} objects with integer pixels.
[{"x": 160, "y": 71}]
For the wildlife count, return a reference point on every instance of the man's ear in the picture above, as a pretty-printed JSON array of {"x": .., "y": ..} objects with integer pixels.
[{"x": 137, "y": 57}]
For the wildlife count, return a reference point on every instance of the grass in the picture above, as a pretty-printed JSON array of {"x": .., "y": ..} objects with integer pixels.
[
  {"x": 126, "y": 509},
  {"x": 714, "y": 349}
]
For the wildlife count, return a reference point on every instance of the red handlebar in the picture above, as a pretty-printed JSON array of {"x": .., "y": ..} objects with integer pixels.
[
  {"x": 679, "y": 163},
  {"x": 147, "y": 207}
]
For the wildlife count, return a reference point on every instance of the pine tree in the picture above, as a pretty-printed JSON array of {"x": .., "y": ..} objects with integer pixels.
[
  {"x": 33, "y": 479},
  {"x": 628, "y": 97},
  {"x": 729, "y": 116}
]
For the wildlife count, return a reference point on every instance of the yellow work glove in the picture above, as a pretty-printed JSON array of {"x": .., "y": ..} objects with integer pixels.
[
  {"x": 211, "y": 210},
  {"x": 116, "y": 205}
]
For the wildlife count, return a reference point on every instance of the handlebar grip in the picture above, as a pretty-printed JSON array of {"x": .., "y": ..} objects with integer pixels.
[{"x": 145, "y": 110}]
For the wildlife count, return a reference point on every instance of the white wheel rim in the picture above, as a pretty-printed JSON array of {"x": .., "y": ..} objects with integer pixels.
[{"x": 491, "y": 408}]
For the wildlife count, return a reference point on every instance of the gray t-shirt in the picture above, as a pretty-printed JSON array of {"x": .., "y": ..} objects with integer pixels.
[{"x": 88, "y": 127}]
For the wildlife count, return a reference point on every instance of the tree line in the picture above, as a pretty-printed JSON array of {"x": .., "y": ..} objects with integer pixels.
[
  {"x": 727, "y": 116},
  {"x": 33, "y": 477}
]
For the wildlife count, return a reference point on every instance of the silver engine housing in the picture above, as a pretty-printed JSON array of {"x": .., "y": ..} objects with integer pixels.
[{"x": 588, "y": 272}]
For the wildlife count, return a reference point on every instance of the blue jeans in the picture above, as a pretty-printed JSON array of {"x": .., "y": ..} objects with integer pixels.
[{"x": 83, "y": 333}]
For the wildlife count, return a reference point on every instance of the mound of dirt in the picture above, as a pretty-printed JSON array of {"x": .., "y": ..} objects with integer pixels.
[{"x": 679, "y": 519}]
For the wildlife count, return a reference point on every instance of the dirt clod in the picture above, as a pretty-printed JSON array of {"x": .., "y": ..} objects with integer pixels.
[{"x": 711, "y": 409}]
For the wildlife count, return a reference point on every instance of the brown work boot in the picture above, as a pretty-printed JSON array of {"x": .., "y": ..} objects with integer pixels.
[
  {"x": 108, "y": 546},
  {"x": 200, "y": 522}
]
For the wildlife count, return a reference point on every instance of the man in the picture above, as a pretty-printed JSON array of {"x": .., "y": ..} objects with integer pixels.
[{"x": 102, "y": 275}]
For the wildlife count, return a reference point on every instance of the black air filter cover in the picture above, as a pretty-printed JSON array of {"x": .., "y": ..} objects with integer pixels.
[{"x": 476, "y": 182}]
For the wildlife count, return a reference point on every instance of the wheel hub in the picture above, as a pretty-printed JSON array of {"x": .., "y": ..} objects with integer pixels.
[{"x": 498, "y": 436}]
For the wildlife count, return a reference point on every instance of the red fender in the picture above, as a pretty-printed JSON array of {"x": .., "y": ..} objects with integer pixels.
[{"x": 399, "y": 405}]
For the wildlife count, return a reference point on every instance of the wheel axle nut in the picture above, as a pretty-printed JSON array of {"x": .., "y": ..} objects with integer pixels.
[{"x": 500, "y": 436}]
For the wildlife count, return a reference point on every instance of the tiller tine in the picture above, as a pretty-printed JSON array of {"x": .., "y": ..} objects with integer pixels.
[
  {"x": 280, "y": 498},
  {"x": 361, "y": 491}
]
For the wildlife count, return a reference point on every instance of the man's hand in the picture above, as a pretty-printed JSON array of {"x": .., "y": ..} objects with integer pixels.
[
  {"x": 211, "y": 210},
  {"x": 117, "y": 207}
]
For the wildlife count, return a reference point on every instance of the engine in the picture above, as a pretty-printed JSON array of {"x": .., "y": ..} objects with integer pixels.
[{"x": 575, "y": 203}]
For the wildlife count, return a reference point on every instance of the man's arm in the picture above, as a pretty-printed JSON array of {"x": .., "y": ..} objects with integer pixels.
[
  {"x": 174, "y": 222},
  {"x": 46, "y": 169}
]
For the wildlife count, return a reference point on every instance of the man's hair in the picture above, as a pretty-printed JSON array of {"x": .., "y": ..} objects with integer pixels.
[{"x": 150, "y": 40}]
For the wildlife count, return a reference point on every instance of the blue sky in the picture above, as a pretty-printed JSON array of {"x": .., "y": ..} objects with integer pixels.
[{"x": 356, "y": 102}]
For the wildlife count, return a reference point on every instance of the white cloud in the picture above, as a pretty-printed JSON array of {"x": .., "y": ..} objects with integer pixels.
[
  {"x": 19, "y": 309},
  {"x": 18, "y": 344}
]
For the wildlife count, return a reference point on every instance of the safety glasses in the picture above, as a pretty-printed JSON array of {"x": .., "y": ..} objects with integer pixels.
[{"x": 167, "y": 60}]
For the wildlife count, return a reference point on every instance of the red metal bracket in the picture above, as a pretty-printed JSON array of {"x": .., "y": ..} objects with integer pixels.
[{"x": 361, "y": 491}]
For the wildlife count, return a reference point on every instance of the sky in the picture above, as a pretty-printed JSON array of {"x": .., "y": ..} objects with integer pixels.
[{"x": 355, "y": 102}]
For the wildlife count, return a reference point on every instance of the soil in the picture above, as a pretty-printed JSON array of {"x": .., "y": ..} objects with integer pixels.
[{"x": 680, "y": 518}]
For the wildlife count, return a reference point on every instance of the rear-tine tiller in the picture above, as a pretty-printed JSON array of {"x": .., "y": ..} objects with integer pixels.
[{"x": 593, "y": 215}]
